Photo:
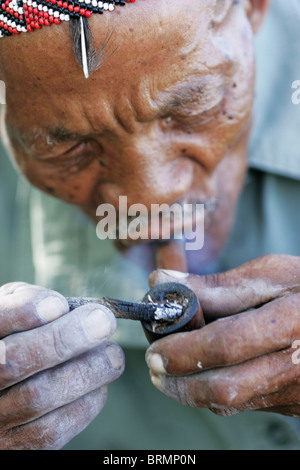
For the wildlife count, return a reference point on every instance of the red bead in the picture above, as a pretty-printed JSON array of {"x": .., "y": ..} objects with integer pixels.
[
  {"x": 29, "y": 28},
  {"x": 87, "y": 13},
  {"x": 47, "y": 23},
  {"x": 82, "y": 11},
  {"x": 76, "y": 9},
  {"x": 56, "y": 21},
  {"x": 59, "y": 3},
  {"x": 70, "y": 8},
  {"x": 65, "y": 5}
]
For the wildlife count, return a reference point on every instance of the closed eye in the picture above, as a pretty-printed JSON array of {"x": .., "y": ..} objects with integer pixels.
[{"x": 77, "y": 157}]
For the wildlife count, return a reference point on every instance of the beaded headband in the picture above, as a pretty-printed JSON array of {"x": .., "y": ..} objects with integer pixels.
[{"x": 21, "y": 16}]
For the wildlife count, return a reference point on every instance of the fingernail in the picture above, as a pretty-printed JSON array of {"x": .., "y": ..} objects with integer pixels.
[
  {"x": 2, "y": 352},
  {"x": 100, "y": 323},
  {"x": 156, "y": 382},
  {"x": 50, "y": 308},
  {"x": 115, "y": 356},
  {"x": 176, "y": 274},
  {"x": 156, "y": 364}
]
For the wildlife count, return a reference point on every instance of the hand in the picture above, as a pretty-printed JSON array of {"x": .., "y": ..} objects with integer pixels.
[
  {"x": 243, "y": 361},
  {"x": 54, "y": 366}
]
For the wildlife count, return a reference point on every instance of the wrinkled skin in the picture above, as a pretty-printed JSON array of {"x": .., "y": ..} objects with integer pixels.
[
  {"x": 56, "y": 366},
  {"x": 167, "y": 123},
  {"x": 244, "y": 360}
]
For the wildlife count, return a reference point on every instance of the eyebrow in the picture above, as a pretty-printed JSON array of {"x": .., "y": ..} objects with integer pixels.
[
  {"x": 47, "y": 138},
  {"x": 185, "y": 95},
  {"x": 192, "y": 92}
]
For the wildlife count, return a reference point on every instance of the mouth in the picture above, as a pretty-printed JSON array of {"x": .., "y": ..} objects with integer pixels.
[{"x": 179, "y": 221}]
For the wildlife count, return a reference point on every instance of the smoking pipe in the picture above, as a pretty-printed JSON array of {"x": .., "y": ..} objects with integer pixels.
[{"x": 165, "y": 309}]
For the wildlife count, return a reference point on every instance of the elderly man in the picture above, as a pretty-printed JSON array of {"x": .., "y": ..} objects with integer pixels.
[{"x": 164, "y": 116}]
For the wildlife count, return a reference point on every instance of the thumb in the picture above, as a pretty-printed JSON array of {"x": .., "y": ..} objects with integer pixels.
[{"x": 248, "y": 286}]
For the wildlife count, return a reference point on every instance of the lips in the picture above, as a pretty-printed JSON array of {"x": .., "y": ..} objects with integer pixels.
[{"x": 178, "y": 224}]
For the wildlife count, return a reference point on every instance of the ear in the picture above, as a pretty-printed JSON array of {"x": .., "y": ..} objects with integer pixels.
[{"x": 256, "y": 10}]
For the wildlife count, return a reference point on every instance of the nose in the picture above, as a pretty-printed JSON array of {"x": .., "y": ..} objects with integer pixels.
[{"x": 148, "y": 172}]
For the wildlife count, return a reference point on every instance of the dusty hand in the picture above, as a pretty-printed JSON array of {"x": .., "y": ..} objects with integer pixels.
[
  {"x": 246, "y": 360},
  {"x": 54, "y": 366}
]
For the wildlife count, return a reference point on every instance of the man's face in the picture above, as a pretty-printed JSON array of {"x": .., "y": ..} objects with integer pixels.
[{"x": 165, "y": 119}]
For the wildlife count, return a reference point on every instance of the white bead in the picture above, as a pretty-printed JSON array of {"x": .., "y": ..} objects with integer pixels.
[
  {"x": 62, "y": 17},
  {"x": 45, "y": 9},
  {"x": 56, "y": 14},
  {"x": 100, "y": 4},
  {"x": 111, "y": 7},
  {"x": 67, "y": 17},
  {"x": 40, "y": 7},
  {"x": 87, "y": 2},
  {"x": 19, "y": 28},
  {"x": 94, "y": 3},
  {"x": 20, "y": 11},
  {"x": 105, "y": 6}
]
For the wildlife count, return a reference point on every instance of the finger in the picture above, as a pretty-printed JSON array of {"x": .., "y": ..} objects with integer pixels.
[
  {"x": 230, "y": 340},
  {"x": 258, "y": 383},
  {"x": 56, "y": 429},
  {"x": 42, "y": 348},
  {"x": 25, "y": 306},
  {"x": 56, "y": 387},
  {"x": 250, "y": 285}
]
